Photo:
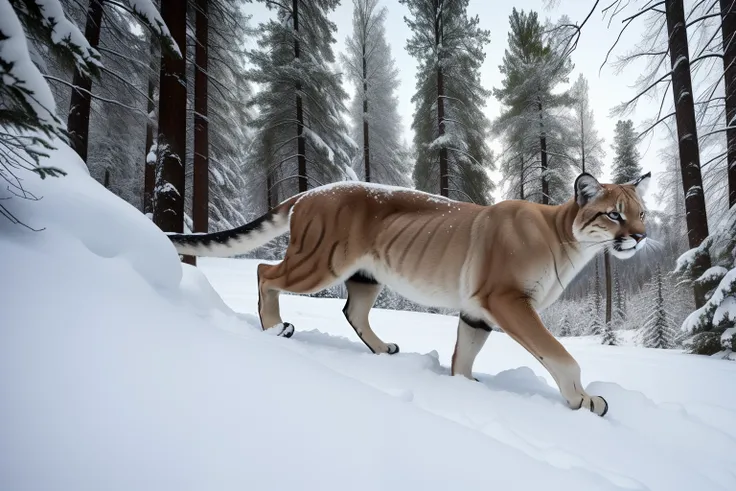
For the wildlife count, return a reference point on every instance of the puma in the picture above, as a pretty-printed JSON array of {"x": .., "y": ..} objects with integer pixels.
[{"x": 498, "y": 265}]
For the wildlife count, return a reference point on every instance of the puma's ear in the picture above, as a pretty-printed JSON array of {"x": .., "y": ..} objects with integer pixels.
[
  {"x": 641, "y": 183},
  {"x": 586, "y": 188}
]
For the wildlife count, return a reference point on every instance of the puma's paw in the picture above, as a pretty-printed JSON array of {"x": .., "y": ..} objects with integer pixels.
[
  {"x": 282, "y": 329},
  {"x": 392, "y": 348},
  {"x": 287, "y": 331},
  {"x": 597, "y": 405}
]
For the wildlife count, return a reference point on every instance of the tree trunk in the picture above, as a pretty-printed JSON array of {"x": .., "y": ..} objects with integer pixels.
[
  {"x": 687, "y": 134},
  {"x": 609, "y": 295},
  {"x": 149, "y": 176},
  {"x": 521, "y": 181},
  {"x": 168, "y": 212},
  {"x": 543, "y": 150},
  {"x": 366, "y": 152},
  {"x": 444, "y": 177},
  {"x": 201, "y": 177},
  {"x": 728, "y": 31},
  {"x": 582, "y": 137},
  {"x": 301, "y": 144},
  {"x": 81, "y": 99},
  {"x": 269, "y": 192}
]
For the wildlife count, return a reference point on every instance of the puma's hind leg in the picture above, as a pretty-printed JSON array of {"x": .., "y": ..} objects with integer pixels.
[
  {"x": 362, "y": 294},
  {"x": 269, "y": 310},
  {"x": 471, "y": 336},
  {"x": 277, "y": 278},
  {"x": 310, "y": 264}
]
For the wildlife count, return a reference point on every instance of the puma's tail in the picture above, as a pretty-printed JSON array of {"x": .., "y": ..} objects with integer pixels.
[{"x": 238, "y": 240}]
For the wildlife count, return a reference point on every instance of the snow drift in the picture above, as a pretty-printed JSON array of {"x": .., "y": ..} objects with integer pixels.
[{"x": 121, "y": 368}]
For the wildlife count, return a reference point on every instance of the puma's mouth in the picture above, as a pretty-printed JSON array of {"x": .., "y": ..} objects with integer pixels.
[{"x": 625, "y": 248}]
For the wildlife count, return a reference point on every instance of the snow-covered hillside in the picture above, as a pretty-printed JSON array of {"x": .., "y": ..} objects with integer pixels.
[{"x": 122, "y": 369}]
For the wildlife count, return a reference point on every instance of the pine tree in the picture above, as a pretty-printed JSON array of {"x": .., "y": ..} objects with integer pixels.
[
  {"x": 687, "y": 136},
  {"x": 626, "y": 156},
  {"x": 81, "y": 96},
  {"x": 588, "y": 151},
  {"x": 608, "y": 336},
  {"x": 201, "y": 174},
  {"x": 566, "y": 329},
  {"x": 450, "y": 127},
  {"x": 706, "y": 325},
  {"x": 374, "y": 109},
  {"x": 300, "y": 104},
  {"x": 535, "y": 65},
  {"x": 595, "y": 301},
  {"x": 619, "y": 310},
  {"x": 27, "y": 105},
  {"x": 228, "y": 115},
  {"x": 728, "y": 35},
  {"x": 625, "y": 169},
  {"x": 658, "y": 330},
  {"x": 168, "y": 203}
]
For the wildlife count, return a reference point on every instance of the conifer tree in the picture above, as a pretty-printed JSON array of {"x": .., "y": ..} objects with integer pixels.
[
  {"x": 625, "y": 169},
  {"x": 608, "y": 336},
  {"x": 595, "y": 301},
  {"x": 300, "y": 104},
  {"x": 566, "y": 329},
  {"x": 619, "y": 309},
  {"x": 535, "y": 64},
  {"x": 374, "y": 109},
  {"x": 168, "y": 202},
  {"x": 228, "y": 116},
  {"x": 658, "y": 330},
  {"x": 587, "y": 152},
  {"x": 450, "y": 126},
  {"x": 626, "y": 156}
]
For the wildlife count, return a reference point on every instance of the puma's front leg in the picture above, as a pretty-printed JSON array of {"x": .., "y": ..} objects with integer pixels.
[
  {"x": 518, "y": 319},
  {"x": 471, "y": 336}
]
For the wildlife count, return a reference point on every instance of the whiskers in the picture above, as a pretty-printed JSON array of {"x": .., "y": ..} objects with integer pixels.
[{"x": 652, "y": 246}]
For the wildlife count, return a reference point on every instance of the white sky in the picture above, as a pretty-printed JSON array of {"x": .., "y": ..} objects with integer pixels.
[{"x": 606, "y": 88}]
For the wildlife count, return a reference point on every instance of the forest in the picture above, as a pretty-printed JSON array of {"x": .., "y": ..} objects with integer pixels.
[{"x": 203, "y": 119}]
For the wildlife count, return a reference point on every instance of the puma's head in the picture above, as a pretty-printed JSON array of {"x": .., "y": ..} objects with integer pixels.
[{"x": 612, "y": 215}]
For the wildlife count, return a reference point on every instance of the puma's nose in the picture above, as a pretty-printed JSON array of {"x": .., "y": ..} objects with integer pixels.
[{"x": 638, "y": 237}]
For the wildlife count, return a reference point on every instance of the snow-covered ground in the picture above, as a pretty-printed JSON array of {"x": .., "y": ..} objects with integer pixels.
[{"x": 121, "y": 369}]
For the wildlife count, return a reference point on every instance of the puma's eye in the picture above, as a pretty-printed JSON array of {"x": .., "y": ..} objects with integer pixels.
[
  {"x": 641, "y": 216},
  {"x": 614, "y": 215}
]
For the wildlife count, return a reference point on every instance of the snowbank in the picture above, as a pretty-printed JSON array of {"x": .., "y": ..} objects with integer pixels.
[{"x": 121, "y": 369}]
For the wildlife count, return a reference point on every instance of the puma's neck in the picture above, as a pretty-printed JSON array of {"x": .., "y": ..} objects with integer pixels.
[{"x": 560, "y": 219}]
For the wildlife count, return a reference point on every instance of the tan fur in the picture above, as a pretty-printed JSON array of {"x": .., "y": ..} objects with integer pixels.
[{"x": 496, "y": 264}]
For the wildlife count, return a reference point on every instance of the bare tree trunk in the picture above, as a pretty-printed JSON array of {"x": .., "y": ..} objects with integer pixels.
[
  {"x": 609, "y": 294},
  {"x": 582, "y": 136},
  {"x": 149, "y": 173},
  {"x": 201, "y": 177},
  {"x": 543, "y": 150},
  {"x": 81, "y": 99},
  {"x": 168, "y": 212},
  {"x": 269, "y": 192},
  {"x": 444, "y": 176},
  {"x": 728, "y": 31},
  {"x": 301, "y": 144},
  {"x": 366, "y": 144},
  {"x": 521, "y": 185},
  {"x": 687, "y": 134}
]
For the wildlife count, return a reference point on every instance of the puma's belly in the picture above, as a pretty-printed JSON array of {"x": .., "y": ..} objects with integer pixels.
[{"x": 421, "y": 289}]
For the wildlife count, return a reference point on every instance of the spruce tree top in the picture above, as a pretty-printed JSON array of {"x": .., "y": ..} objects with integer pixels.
[{"x": 626, "y": 160}]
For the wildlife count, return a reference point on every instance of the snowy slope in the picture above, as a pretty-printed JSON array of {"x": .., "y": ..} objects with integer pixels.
[{"x": 122, "y": 369}]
